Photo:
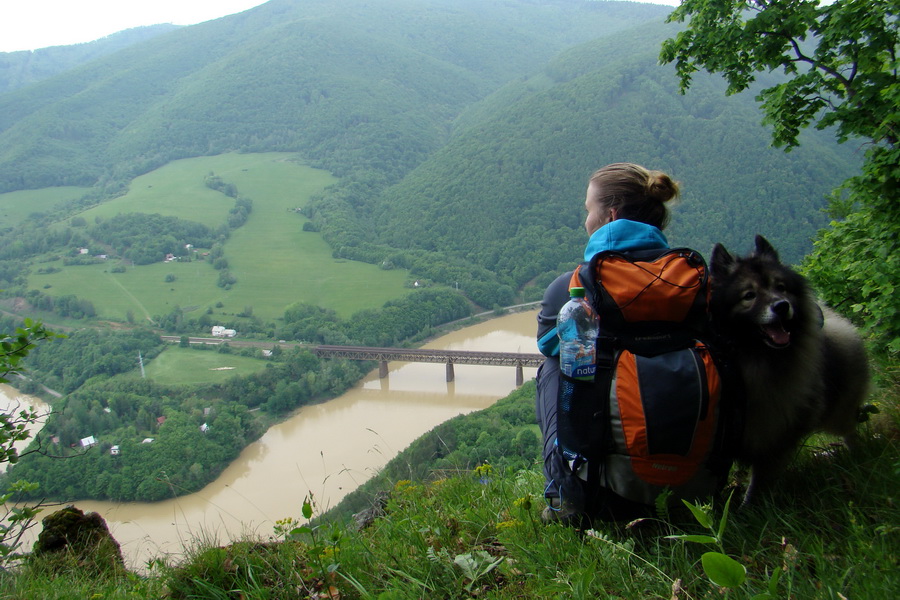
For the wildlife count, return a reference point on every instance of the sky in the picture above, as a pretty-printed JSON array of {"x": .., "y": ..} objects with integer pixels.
[{"x": 33, "y": 24}]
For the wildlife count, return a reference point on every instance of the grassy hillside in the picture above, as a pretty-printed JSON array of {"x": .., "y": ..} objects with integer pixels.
[
  {"x": 274, "y": 261},
  {"x": 16, "y": 206}
]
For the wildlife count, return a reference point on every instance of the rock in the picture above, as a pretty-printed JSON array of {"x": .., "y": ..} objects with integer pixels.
[
  {"x": 71, "y": 538},
  {"x": 365, "y": 518}
]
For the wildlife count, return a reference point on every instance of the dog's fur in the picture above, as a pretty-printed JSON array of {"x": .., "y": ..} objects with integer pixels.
[{"x": 804, "y": 368}]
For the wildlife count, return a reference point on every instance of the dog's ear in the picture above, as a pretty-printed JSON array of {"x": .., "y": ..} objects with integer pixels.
[
  {"x": 764, "y": 249},
  {"x": 722, "y": 263}
]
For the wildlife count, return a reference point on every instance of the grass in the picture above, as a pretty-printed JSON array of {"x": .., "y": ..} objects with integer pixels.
[
  {"x": 831, "y": 530},
  {"x": 275, "y": 262},
  {"x": 189, "y": 366},
  {"x": 16, "y": 206}
]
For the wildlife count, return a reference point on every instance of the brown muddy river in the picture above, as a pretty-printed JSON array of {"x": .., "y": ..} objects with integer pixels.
[{"x": 327, "y": 449}]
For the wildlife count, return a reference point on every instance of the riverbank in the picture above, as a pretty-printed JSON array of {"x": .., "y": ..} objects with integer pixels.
[{"x": 327, "y": 449}]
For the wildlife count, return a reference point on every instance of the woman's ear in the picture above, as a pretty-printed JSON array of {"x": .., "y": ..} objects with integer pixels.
[{"x": 613, "y": 214}]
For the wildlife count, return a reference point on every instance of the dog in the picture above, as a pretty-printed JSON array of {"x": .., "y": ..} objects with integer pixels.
[{"x": 804, "y": 368}]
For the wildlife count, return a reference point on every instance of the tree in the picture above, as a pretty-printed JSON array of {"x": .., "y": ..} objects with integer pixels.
[
  {"x": 840, "y": 62},
  {"x": 14, "y": 428}
]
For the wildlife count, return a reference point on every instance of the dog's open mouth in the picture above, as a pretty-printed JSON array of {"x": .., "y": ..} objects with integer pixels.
[{"x": 775, "y": 335}]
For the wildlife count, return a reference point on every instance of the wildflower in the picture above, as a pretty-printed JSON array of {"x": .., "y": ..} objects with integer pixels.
[{"x": 524, "y": 502}]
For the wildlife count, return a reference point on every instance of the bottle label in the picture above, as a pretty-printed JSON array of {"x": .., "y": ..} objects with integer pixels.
[
  {"x": 577, "y": 360},
  {"x": 584, "y": 371}
]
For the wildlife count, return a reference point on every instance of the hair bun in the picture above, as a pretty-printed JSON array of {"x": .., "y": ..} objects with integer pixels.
[{"x": 661, "y": 187}]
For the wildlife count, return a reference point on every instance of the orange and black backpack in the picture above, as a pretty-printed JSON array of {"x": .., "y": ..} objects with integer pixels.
[{"x": 657, "y": 415}]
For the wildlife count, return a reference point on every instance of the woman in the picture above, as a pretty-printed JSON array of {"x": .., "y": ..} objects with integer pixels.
[{"x": 626, "y": 211}]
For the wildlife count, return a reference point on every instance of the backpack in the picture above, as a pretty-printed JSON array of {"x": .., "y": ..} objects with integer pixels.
[{"x": 654, "y": 417}]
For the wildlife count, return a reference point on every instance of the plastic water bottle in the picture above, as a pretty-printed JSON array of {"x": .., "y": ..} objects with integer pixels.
[{"x": 578, "y": 326}]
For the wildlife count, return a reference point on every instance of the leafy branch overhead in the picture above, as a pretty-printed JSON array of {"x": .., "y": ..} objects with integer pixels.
[
  {"x": 15, "y": 347},
  {"x": 840, "y": 59},
  {"x": 840, "y": 62}
]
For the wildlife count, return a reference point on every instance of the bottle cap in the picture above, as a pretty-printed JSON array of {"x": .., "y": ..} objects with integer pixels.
[{"x": 576, "y": 292}]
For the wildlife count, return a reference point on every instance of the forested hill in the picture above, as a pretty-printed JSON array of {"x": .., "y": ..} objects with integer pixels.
[
  {"x": 514, "y": 177},
  {"x": 21, "y": 68},
  {"x": 462, "y": 131},
  {"x": 352, "y": 84}
]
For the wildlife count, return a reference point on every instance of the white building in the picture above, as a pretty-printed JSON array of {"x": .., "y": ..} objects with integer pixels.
[{"x": 220, "y": 331}]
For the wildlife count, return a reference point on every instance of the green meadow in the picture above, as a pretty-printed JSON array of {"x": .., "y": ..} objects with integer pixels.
[
  {"x": 274, "y": 261},
  {"x": 186, "y": 366},
  {"x": 16, "y": 206}
]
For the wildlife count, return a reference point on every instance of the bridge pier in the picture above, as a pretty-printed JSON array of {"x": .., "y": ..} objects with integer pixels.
[
  {"x": 449, "y": 371},
  {"x": 520, "y": 375},
  {"x": 383, "y": 369}
]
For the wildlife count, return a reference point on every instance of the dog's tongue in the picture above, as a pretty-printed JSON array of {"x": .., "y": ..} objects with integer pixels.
[{"x": 778, "y": 335}]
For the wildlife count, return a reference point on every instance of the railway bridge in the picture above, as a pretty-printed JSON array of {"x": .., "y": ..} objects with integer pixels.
[{"x": 448, "y": 357}]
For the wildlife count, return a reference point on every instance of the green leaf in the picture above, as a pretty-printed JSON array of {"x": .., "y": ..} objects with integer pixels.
[
  {"x": 723, "y": 570},
  {"x": 307, "y": 509},
  {"x": 700, "y": 514},
  {"x": 724, "y": 520},
  {"x": 773, "y": 583}
]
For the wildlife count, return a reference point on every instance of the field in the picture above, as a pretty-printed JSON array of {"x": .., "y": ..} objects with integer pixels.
[
  {"x": 15, "y": 206},
  {"x": 275, "y": 262},
  {"x": 186, "y": 366}
]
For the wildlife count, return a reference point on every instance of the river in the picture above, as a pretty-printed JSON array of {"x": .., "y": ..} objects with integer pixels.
[{"x": 326, "y": 449}]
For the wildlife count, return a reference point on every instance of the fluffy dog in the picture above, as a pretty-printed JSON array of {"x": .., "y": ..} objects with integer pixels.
[{"x": 804, "y": 368}]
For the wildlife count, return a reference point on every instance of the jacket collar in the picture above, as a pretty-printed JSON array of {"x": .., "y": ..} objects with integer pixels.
[{"x": 623, "y": 235}]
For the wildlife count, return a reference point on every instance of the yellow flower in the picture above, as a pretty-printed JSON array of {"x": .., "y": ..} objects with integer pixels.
[
  {"x": 524, "y": 502},
  {"x": 484, "y": 470}
]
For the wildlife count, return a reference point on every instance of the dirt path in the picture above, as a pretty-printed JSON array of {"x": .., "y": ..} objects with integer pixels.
[{"x": 133, "y": 298}]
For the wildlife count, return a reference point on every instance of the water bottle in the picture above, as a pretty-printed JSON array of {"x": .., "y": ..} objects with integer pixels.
[{"x": 578, "y": 326}]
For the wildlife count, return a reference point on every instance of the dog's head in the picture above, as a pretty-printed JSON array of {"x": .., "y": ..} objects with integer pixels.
[{"x": 756, "y": 297}]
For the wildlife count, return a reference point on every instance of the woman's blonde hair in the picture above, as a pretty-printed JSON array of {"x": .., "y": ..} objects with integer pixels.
[{"x": 636, "y": 193}]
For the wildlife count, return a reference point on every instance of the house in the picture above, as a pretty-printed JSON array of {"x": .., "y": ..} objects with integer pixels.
[
  {"x": 114, "y": 451},
  {"x": 88, "y": 441},
  {"x": 204, "y": 428},
  {"x": 83, "y": 250},
  {"x": 170, "y": 257},
  {"x": 220, "y": 331},
  {"x": 147, "y": 440},
  {"x": 160, "y": 420}
]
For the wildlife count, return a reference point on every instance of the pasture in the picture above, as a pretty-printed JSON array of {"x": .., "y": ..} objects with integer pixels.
[
  {"x": 274, "y": 261},
  {"x": 187, "y": 366},
  {"x": 16, "y": 206}
]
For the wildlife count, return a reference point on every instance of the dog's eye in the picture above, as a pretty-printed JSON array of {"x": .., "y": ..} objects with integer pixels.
[
  {"x": 748, "y": 295},
  {"x": 780, "y": 287}
]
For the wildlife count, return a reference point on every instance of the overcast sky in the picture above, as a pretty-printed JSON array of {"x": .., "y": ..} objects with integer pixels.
[{"x": 32, "y": 24}]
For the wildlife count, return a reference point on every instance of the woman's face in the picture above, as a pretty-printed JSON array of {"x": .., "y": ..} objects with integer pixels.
[{"x": 598, "y": 215}]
